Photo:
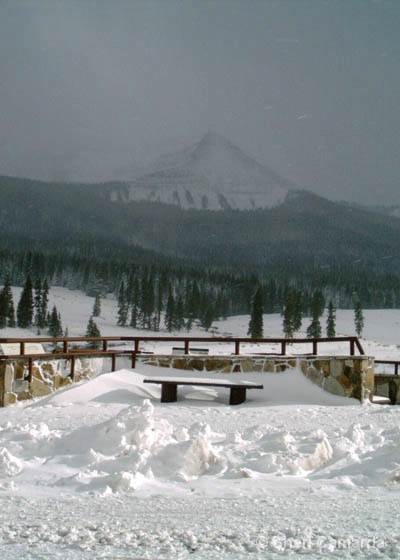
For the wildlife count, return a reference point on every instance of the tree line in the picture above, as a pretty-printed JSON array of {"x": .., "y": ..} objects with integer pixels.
[
  {"x": 154, "y": 302},
  {"x": 221, "y": 292},
  {"x": 32, "y": 310},
  {"x": 294, "y": 311}
]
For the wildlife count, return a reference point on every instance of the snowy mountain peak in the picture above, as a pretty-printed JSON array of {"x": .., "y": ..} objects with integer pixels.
[
  {"x": 218, "y": 154},
  {"x": 210, "y": 148},
  {"x": 212, "y": 174},
  {"x": 212, "y": 143}
]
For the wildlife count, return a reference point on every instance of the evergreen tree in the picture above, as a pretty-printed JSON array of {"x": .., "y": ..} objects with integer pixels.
[
  {"x": 270, "y": 299},
  {"x": 44, "y": 303},
  {"x": 314, "y": 328},
  {"x": 331, "y": 321},
  {"x": 297, "y": 310},
  {"x": 11, "y": 322},
  {"x": 54, "y": 323},
  {"x": 3, "y": 310},
  {"x": 40, "y": 300},
  {"x": 25, "y": 305},
  {"x": 189, "y": 311},
  {"x": 159, "y": 305},
  {"x": 134, "y": 297},
  {"x": 143, "y": 291},
  {"x": 37, "y": 302},
  {"x": 92, "y": 330},
  {"x": 207, "y": 308},
  {"x": 256, "y": 318},
  {"x": 96, "y": 306},
  {"x": 169, "y": 318},
  {"x": 222, "y": 305},
  {"x": 358, "y": 318},
  {"x": 148, "y": 302},
  {"x": 208, "y": 316},
  {"x": 318, "y": 302},
  {"x": 289, "y": 313},
  {"x": 123, "y": 305},
  {"x": 7, "y": 313},
  {"x": 179, "y": 319}
]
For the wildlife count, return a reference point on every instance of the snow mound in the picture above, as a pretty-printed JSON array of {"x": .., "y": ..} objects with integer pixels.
[
  {"x": 135, "y": 473},
  {"x": 137, "y": 447},
  {"x": 9, "y": 465}
]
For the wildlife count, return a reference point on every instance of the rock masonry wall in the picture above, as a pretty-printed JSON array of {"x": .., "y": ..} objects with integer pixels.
[
  {"x": 349, "y": 376},
  {"x": 388, "y": 386},
  {"x": 47, "y": 377}
]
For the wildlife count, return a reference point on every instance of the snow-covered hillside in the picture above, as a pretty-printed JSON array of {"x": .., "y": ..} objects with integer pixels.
[
  {"x": 213, "y": 174},
  {"x": 104, "y": 470}
]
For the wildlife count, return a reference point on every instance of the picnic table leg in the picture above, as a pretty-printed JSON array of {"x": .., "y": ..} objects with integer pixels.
[
  {"x": 238, "y": 395},
  {"x": 169, "y": 392}
]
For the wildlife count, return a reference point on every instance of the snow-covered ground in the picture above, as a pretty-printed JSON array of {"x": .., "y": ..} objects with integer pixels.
[{"x": 104, "y": 470}]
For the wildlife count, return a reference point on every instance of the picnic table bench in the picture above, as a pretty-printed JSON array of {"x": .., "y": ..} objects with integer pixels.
[{"x": 169, "y": 387}]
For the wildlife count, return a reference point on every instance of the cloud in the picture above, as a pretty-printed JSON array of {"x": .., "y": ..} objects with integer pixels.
[{"x": 89, "y": 89}]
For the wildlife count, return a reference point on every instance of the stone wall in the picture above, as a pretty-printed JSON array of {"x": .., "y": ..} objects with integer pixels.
[
  {"x": 350, "y": 376},
  {"x": 388, "y": 385},
  {"x": 47, "y": 377}
]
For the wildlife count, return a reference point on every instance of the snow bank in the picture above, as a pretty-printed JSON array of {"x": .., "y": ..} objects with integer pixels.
[
  {"x": 220, "y": 480},
  {"x": 103, "y": 469},
  {"x": 139, "y": 443}
]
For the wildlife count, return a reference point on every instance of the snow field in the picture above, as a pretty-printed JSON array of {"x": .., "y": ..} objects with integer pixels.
[{"x": 102, "y": 469}]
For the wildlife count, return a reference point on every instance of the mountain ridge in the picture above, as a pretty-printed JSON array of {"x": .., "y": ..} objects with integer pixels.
[
  {"x": 306, "y": 231},
  {"x": 212, "y": 174},
  {"x": 209, "y": 204}
]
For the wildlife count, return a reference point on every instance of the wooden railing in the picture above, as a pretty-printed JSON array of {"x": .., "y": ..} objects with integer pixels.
[
  {"x": 104, "y": 341},
  {"x": 66, "y": 347},
  {"x": 394, "y": 363}
]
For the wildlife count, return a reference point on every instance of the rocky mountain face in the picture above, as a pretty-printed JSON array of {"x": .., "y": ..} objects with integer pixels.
[{"x": 213, "y": 174}]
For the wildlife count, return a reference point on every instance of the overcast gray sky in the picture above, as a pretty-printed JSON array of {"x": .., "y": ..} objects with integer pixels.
[{"x": 90, "y": 88}]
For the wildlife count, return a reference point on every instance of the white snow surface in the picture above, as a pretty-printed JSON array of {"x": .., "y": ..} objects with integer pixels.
[{"x": 102, "y": 469}]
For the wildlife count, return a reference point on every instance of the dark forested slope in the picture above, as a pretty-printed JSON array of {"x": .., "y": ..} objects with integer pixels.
[{"x": 306, "y": 231}]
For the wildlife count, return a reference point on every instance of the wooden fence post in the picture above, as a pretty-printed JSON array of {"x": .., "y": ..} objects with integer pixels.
[
  {"x": 30, "y": 369},
  {"x": 72, "y": 373}
]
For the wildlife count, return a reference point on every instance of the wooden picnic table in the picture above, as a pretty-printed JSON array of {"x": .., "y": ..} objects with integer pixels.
[{"x": 169, "y": 387}]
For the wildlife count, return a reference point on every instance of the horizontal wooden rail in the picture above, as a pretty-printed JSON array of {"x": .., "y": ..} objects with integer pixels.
[
  {"x": 71, "y": 354},
  {"x": 394, "y": 363},
  {"x": 353, "y": 341}
]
